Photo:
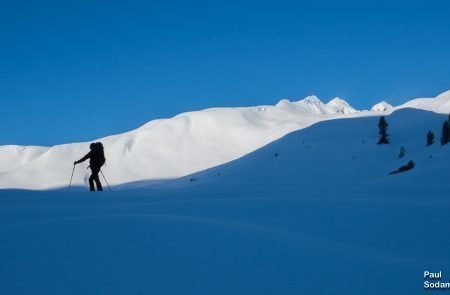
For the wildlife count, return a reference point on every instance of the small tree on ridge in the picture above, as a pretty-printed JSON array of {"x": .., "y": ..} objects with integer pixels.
[
  {"x": 430, "y": 138},
  {"x": 383, "y": 126},
  {"x": 445, "y": 138}
]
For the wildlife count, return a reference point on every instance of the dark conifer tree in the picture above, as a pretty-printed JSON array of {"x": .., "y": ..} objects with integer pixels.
[
  {"x": 383, "y": 126},
  {"x": 430, "y": 138},
  {"x": 445, "y": 133}
]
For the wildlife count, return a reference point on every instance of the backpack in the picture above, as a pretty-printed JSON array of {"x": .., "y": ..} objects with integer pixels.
[{"x": 100, "y": 153}]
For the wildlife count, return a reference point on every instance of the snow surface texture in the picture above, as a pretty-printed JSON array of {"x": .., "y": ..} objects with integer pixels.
[
  {"x": 314, "y": 212},
  {"x": 185, "y": 144}
]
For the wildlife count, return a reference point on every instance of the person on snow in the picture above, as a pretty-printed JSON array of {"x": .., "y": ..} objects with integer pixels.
[{"x": 96, "y": 160}]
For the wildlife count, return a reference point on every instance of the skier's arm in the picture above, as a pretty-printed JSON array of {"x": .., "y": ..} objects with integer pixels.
[{"x": 83, "y": 159}]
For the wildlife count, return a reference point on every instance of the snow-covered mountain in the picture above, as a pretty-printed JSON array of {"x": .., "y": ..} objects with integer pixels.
[
  {"x": 313, "y": 105},
  {"x": 439, "y": 104},
  {"x": 338, "y": 105},
  {"x": 314, "y": 212},
  {"x": 381, "y": 107},
  {"x": 165, "y": 149},
  {"x": 316, "y": 195},
  {"x": 343, "y": 154},
  {"x": 182, "y": 145}
]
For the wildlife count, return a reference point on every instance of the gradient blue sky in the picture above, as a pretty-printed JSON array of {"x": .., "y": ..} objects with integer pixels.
[{"x": 80, "y": 70}]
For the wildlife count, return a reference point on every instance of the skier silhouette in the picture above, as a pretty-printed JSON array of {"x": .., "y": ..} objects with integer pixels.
[{"x": 96, "y": 160}]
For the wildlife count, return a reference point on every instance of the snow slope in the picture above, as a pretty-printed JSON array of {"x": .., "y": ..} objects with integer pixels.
[
  {"x": 182, "y": 145},
  {"x": 163, "y": 149},
  {"x": 342, "y": 153},
  {"x": 439, "y": 104},
  {"x": 311, "y": 213},
  {"x": 13, "y": 156}
]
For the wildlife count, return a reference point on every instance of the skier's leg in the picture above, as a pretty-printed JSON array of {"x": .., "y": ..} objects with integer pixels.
[
  {"x": 95, "y": 173},
  {"x": 99, "y": 184},
  {"x": 91, "y": 182}
]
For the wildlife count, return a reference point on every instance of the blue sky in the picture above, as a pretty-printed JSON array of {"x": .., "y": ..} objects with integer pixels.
[{"x": 79, "y": 70}]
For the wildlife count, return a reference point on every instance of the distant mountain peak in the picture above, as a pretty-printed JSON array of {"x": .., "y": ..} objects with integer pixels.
[
  {"x": 337, "y": 100},
  {"x": 381, "y": 107},
  {"x": 338, "y": 105},
  {"x": 313, "y": 105},
  {"x": 311, "y": 99}
]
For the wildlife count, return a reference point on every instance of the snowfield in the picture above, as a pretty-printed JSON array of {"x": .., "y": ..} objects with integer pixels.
[
  {"x": 344, "y": 153},
  {"x": 168, "y": 148},
  {"x": 264, "y": 239},
  {"x": 188, "y": 143},
  {"x": 312, "y": 211}
]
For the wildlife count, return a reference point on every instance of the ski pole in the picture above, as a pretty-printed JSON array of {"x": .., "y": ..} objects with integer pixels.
[
  {"x": 106, "y": 180},
  {"x": 73, "y": 170}
]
